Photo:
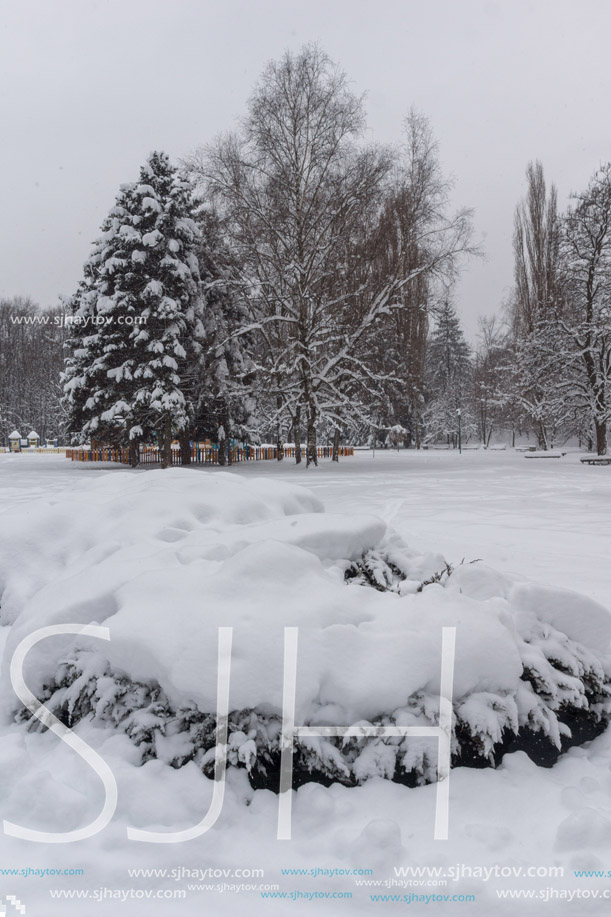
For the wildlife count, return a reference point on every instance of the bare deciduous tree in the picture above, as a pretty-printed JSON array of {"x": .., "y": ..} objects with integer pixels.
[
  {"x": 31, "y": 358},
  {"x": 303, "y": 201},
  {"x": 536, "y": 247},
  {"x": 536, "y": 303},
  {"x": 587, "y": 248}
]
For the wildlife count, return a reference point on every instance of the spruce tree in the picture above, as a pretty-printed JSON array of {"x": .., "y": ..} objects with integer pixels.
[
  {"x": 139, "y": 300},
  {"x": 448, "y": 376},
  {"x": 224, "y": 388}
]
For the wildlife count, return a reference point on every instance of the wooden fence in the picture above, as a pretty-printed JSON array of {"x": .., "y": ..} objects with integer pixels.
[{"x": 201, "y": 454}]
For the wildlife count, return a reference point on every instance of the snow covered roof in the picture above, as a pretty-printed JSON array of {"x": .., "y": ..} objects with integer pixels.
[
  {"x": 14, "y": 435},
  {"x": 33, "y": 435}
]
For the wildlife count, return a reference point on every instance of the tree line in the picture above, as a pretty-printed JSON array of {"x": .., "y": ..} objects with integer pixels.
[
  {"x": 285, "y": 275},
  {"x": 291, "y": 281},
  {"x": 31, "y": 361},
  {"x": 546, "y": 364}
]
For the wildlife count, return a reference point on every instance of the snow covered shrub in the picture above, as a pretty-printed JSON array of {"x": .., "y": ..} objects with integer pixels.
[
  {"x": 375, "y": 569},
  {"x": 562, "y": 699}
]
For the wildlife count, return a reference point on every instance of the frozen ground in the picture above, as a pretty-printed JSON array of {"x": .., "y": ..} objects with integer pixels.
[{"x": 546, "y": 520}]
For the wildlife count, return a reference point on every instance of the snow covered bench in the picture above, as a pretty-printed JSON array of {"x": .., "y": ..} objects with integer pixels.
[
  {"x": 596, "y": 459},
  {"x": 548, "y": 454}
]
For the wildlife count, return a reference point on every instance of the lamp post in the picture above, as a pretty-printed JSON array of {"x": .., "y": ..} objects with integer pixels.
[{"x": 459, "y": 414}]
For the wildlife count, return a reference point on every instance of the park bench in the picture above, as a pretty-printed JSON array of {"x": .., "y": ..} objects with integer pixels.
[
  {"x": 596, "y": 459},
  {"x": 548, "y": 454}
]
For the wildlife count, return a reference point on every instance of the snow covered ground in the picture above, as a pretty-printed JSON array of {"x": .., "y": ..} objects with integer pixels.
[{"x": 80, "y": 542}]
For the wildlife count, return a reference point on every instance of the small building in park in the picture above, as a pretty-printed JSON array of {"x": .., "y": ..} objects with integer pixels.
[
  {"x": 14, "y": 441},
  {"x": 33, "y": 440}
]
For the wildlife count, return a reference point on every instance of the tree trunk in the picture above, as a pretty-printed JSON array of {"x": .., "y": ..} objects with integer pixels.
[
  {"x": 541, "y": 437},
  {"x": 222, "y": 447},
  {"x": 279, "y": 438},
  {"x": 335, "y": 455},
  {"x": 311, "y": 445},
  {"x": 297, "y": 435},
  {"x": 134, "y": 453},
  {"x": 184, "y": 439},
  {"x": 601, "y": 437},
  {"x": 165, "y": 443}
]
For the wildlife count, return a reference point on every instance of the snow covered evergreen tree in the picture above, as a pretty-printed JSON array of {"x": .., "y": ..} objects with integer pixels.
[
  {"x": 137, "y": 329},
  {"x": 76, "y": 363},
  {"x": 449, "y": 371},
  {"x": 224, "y": 387}
]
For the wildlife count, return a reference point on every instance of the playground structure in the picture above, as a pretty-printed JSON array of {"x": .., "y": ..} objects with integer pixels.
[{"x": 30, "y": 443}]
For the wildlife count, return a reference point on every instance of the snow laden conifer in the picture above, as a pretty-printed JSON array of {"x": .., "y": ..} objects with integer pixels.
[
  {"x": 449, "y": 377},
  {"x": 76, "y": 363},
  {"x": 135, "y": 316},
  {"x": 224, "y": 386}
]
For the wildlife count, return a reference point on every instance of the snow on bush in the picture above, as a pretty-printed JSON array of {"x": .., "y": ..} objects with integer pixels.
[{"x": 165, "y": 559}]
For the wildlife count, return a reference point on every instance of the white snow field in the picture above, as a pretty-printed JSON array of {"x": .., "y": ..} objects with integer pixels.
[{"x": 163, "y": 559}]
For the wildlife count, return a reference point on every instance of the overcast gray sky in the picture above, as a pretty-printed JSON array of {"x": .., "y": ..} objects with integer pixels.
[{"x": 89, "y": 87}]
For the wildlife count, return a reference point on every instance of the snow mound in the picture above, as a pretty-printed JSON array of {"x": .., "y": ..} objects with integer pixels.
[
  {"x": 164, "y": 559},
  {"x": 48, "y": 541}
]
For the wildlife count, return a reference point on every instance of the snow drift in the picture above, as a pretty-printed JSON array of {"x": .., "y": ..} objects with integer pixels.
[{"x": 166, "y": 558}]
